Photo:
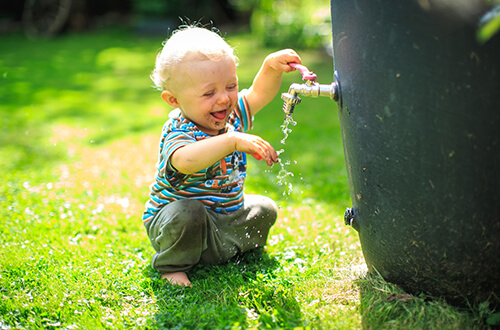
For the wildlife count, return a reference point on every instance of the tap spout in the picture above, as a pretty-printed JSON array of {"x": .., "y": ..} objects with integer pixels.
[
  {"x": 291, "y": 99},
  {"x": 309, "y": 88},
  {"x": 312, "y": 89},
  {"x": 315, "y": 90}
]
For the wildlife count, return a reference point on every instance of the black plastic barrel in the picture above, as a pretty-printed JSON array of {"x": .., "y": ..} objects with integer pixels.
[{"x": 420, "y": 120}]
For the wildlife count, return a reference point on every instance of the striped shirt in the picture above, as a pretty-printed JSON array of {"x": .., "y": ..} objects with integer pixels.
[{"x": 219, "y": 187}]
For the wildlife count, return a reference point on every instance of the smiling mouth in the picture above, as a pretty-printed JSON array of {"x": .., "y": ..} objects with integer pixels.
[{"x": 219, "y": 115}]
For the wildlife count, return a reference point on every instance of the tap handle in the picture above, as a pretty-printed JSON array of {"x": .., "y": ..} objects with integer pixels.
[{"x": 306, "y": 74}]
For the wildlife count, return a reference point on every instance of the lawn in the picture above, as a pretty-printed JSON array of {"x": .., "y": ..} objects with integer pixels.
[{"x": 80, "y": 124}]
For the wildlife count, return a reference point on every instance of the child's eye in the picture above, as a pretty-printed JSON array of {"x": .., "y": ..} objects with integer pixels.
[
  {"x": 230, "y": 87},
  {"x": 209, "y": 93}
]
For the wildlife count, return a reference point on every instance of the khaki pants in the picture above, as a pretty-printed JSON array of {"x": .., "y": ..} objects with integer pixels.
[{"x": 184, "y": 233}]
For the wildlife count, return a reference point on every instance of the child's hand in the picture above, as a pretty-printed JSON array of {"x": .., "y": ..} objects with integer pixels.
[
  {"x": 267, "y": 83},
  {"x": 255, "y": 146},
  {"x": 279, "y": 60}
]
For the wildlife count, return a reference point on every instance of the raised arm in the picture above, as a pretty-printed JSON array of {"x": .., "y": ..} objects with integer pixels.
[{"x": 267, "y": 82}]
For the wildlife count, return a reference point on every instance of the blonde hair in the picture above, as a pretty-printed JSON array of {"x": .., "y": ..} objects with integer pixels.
[{"x": 188, "y": 43}]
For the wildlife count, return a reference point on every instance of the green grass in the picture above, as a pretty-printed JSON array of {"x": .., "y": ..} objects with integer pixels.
[{"x": 79, "y": 131}]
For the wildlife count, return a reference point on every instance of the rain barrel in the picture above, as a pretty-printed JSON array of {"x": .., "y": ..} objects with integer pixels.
[{"x": 420, "y": 122}]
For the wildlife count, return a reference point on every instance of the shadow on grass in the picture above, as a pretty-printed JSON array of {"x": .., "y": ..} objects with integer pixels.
[
  {"x": 385, "y": 305},
  {"x": 243, "y": 293}
]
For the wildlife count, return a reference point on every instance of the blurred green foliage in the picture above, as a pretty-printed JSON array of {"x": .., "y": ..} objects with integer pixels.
[
  {"x": 220, "y": 12},
  {"x": 292, "y": 23},
  {"x": 277, "y": 23},
  {"x": 153, "y": 7},
  {"x": 489, "y": 25}
]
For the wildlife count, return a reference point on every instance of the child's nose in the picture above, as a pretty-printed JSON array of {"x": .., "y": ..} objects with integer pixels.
[{"x": 224, "y": 97}]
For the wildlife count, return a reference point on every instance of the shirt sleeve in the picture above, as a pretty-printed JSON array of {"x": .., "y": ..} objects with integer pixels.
[
  {"x": 174, "y": 141},
  {"x": 242, "y": 111}
]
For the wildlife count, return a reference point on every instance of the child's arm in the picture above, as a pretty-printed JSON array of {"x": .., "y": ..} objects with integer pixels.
[
  {"x": 268, "y": 81},
  {"x": 204, "y": 153}
]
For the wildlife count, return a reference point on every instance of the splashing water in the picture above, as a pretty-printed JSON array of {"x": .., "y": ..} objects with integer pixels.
[
  {"x": 284, "y": 127},
  {"x": 283, "y": 174}
]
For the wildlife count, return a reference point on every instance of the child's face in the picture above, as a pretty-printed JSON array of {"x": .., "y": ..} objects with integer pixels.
[{"x": 206, "y": 92}]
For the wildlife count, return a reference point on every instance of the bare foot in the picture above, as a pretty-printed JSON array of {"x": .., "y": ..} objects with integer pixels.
[{"x": 179, "y": 278}]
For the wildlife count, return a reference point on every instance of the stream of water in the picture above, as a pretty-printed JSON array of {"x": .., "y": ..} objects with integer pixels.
[{"x": 283, "y": 174}]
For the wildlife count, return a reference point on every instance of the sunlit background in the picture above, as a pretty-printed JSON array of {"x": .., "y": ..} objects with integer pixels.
[
  {"x": 79, "y": 129},
  {"x": 92, "y": 74}
]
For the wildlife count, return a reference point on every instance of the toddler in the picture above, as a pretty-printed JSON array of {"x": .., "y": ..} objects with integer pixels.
[{"x": 197, "y": 212}]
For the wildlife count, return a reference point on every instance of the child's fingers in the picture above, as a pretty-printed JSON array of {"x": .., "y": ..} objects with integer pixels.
[
  {"x": 271, "y": 156},
  {"x": 291, "y": 56},
  {"x": 268, "y": 155},
  {"x": 280, "y": 60},
  {"x": 257, "y": 156},
  {"x": 257, "y": 147}
]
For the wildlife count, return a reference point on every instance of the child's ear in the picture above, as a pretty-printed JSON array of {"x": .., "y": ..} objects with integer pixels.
[{"x": 169, "y": 97}]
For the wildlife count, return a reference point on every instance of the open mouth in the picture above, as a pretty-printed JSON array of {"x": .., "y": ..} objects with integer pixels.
[{"x": 219, "y": 115}]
